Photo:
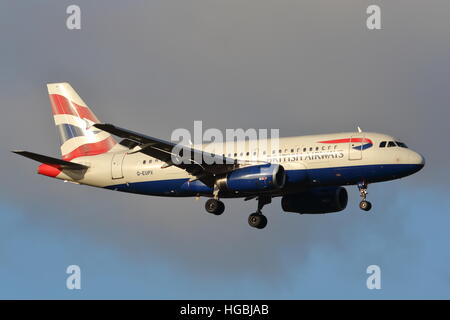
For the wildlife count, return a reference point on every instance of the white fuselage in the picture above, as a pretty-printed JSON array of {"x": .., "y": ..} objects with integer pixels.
[{"x": 314, "y": 160}]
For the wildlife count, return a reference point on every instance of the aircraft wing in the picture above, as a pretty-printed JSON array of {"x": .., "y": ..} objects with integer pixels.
[{"x": 204, "y": 170}]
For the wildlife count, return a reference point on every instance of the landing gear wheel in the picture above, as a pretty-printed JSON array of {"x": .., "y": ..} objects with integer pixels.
[
  {"x": 365, "y": 205},
  {"x": 215, "y": 206},
  {"x": 257, "y": 220}
]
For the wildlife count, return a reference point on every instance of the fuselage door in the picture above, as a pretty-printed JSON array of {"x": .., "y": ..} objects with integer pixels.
[
  {"x": 355, "y": 147},
  {"x": 116, "y": 165}
]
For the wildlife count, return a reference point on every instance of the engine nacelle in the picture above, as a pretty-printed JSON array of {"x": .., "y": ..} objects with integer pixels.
[
  {"x": 255, "y": 178},
  {"x": 316, "y": 200}
]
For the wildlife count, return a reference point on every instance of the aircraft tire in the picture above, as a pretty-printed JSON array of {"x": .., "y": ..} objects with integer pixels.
[
  {"x": 257, "y": 220},
  {"x": 365, "y": 205},
  {"x": 215, "y": 206}
]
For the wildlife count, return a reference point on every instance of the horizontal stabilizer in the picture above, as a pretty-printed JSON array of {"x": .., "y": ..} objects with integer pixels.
[{"x": 51, "y": 161}]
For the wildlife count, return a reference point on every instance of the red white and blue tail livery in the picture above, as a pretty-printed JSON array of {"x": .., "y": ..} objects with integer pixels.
[
  {"x": 308, "y": 172},
  {"x": 75, "y": 121}
]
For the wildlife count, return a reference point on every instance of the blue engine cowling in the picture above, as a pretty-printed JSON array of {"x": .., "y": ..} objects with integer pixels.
[
  {"x": 316, "y": 200},
  {"x": 263, "y": 177}
]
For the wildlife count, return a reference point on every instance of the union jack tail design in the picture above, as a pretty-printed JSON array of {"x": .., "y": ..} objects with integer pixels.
[{"x": 74, "y": 121}]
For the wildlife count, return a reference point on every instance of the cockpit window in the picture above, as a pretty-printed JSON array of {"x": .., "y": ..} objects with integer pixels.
[
  {"x": 391, "y": 144},
  {"x": 401, "y": 144}
]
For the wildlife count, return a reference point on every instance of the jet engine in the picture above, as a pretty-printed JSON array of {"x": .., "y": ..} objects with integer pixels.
[{"x": 263, "y": 177}]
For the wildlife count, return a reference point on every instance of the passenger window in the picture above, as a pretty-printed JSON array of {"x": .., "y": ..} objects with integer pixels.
[
  {"x": 391, "y": 144},
  {"x": 144, "y": 161},
  {"x": 382, "y": 144},
  {"x": 248, "y": 153},
  {"x": 150, "y": 161},
  {"x": 304, "y": 149}
]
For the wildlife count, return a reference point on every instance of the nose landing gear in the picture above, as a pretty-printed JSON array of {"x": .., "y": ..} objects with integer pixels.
[{"x": 364, "y": 204}]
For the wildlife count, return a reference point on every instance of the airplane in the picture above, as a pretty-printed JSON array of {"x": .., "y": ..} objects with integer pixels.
[{"x": 308, "y": 172}]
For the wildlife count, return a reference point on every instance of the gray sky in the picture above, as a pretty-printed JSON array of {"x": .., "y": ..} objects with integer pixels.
[{"x": 153, "y": 66}]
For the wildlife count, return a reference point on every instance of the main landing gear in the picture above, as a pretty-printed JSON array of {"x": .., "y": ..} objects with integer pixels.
[
  {"x": 257, "y": 219},
  {"x": 364, "y": 204},
  {"x": 215, "y": 206}
]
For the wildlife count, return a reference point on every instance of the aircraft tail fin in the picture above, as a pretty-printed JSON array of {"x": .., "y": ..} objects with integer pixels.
[{"x": 74, "y": 120}]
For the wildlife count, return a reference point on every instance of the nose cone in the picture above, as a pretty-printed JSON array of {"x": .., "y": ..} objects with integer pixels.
[{"x": 417, "y": 160}]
